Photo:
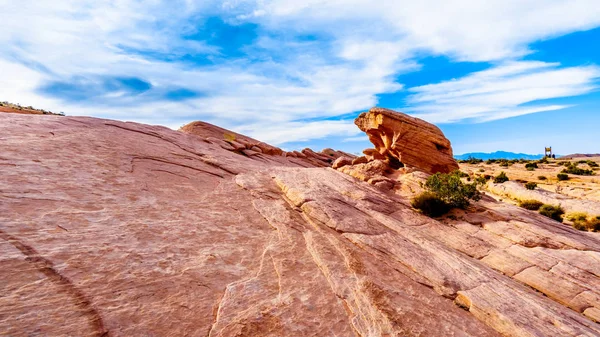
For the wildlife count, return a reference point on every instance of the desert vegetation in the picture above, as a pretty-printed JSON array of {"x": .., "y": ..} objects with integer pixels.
[
  {"x": 584, "y": 222},
  {"x": 445, "y": 191},
  {"x": 501, "y": 178},
  {"x": 552, "y": 212},
  {"x": 572, "y": 168},
  {"x": 532, "y": 205},
  {"x": 531, "y": 185}
]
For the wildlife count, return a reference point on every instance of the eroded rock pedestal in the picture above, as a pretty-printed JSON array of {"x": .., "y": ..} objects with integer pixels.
[
  {"x": 399, "y": 138},
  {"x": 123, "y": 229}
]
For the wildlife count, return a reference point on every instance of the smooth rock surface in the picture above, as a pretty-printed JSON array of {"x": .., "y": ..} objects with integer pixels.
[{"x": 123, "y": 229}]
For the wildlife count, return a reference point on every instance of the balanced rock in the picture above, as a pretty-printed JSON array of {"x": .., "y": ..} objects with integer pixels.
[{"x": 403, "y": 139}]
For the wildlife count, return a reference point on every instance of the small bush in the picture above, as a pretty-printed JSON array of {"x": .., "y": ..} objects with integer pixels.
[
  {"x": 501, "y": 178},
  {"x": 562, "y": 176},
  {"x": 593, "y": 225},
  {"x": 430, "y": 204},
  {"x": 530, "y": 185},
  {"x": 542, "y": 178},
  {"x": 481, "y": 170},
  {"x": 504, "y": 164},
  {"x": 531, "y": 165},
  {"x": 532, "y": 205},
  {"x": 592, "y": 163},
  {"x": 452, "y": 190},
  {"x": 481, "y": 180},
  {"x": 578, "y": 171},
  {"x": 543, "y": 160},
  {"x": 471, "y": 160},
  {"x": 552, "y": 212},
  {"x": 576, "y": 216},
  {"x": 487, "y": 176}
]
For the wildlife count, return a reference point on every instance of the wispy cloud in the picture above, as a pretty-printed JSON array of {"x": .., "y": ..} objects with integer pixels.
[
  {"x": 501, "y": 91},
  {"x": 269, "y": 67}
]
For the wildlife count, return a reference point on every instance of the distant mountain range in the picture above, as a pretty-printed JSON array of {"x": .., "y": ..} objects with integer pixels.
[
  {"x": 498, "y": 155},
  {"x": 581, "y": 155}
]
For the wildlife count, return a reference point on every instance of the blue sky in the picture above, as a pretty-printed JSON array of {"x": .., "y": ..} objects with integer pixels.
[{"x": 494, "y": 75}]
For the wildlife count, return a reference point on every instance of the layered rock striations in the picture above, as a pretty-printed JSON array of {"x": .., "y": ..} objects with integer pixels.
[
  {"x": 247, "y": 146},
  {"x": 402, "y": 139},
  {"x": 123, "y": 229}
]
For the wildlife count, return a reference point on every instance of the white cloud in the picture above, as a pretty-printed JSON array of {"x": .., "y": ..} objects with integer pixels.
[
  {"x": 501, "y": 91},
  {"x": 361, "y": 47}
]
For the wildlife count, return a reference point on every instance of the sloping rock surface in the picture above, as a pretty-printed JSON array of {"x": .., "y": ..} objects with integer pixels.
[
  {"x": 247, "y": 146},
  {"x": 122, "y": 229},
  {"x": 401, "y": 138}
]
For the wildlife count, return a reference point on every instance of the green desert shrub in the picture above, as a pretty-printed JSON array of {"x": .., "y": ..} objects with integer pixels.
[
  {"x": 532, "y": 205},
  {"x": 430, "y": 204},
  {"x": 542, "y": 178},
  {"x": 481, "y": 180},
  {"x": 452, "y": 190},
  {"x": 593, "y": 225},
  {"x": 443, "y": 192},
  {"x": 576, "y": 216},
  {"x": 504, "y": 164},
  {"x": 530, "y": 185},
  {"x": 583, "y": 222},
  {"x": 531, "y": 165},
  {"x": 481, "y": 170},
  {"x": 578, "y": 171},
  {"x": 592, "y": 163},
  {"x": 562, "y": 176},
  {"x": 471, "y": 160},
  {"x": 543, "y": 160},
  {"x": 552, "y": 212},
  {"x": 501, "y": 178}
]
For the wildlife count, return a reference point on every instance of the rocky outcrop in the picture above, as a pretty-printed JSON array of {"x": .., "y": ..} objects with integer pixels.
[
  {"x": 247, "y": 146},
  {"x": 123, "y": 229},
  {"x": 402, "y": 139}
]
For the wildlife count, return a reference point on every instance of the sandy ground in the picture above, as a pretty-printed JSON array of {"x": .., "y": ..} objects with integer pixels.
[{"x": 578, "y": 187}]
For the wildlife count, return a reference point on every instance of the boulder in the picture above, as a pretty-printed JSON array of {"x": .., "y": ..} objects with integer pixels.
[
  {"x": 401, "y": 138},
  {"x": 341, "y": 161}
]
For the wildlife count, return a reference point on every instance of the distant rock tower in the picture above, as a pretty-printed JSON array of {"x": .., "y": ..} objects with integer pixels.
[{"x": 548, "y": 152}]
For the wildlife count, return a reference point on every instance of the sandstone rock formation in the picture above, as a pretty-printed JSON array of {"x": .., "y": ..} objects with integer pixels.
[
  {"x": 399, "y": 138},
  {"x": 123, "y": 229},
  {"x": 247, "y": 146}
]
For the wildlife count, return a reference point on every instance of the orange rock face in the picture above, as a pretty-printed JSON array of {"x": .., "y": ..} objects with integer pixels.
[
  {"x": 122, "y": 229},
  {"x": 400, "y": 138}
]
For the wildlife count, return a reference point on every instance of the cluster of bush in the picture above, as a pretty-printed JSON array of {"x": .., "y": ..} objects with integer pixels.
[
  {"x": 573, "y": 169},
  {"x": 471, "y": 160},
  {"x": 445, "y": 191},
  {"x": 581, "y": 221},
  {"x": 550, "y": 211},
  {"x": 531, "y": 166}
]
